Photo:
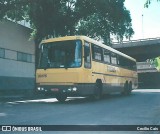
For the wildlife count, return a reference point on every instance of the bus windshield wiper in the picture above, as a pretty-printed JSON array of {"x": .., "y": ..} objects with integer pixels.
[
  {"x": 66, "y": 66},
  {"x": 66, "y": 61},
  {"x": 47, "y": 66}
]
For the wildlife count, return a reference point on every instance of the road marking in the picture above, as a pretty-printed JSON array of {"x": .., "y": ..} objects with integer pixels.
[
  {"x": 44, "y": 100},
  {"x": 38, "y": 100},
  {"x": 2, "y": 114},
  {"x": 147, "y": 90}
]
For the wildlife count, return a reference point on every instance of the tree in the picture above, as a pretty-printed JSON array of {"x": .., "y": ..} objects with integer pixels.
[
  {"x": 148, "y": 2},
  {"x": 47, "y": 18},
  {"x": 155, "y": 62},
  {"x": 66, "y": 17},
  {"x": 105, "y": 18},
  {"x": 95, "y": 18}
]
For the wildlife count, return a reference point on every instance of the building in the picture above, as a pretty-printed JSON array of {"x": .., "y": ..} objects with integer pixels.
[{"x": 17, "y": 57}]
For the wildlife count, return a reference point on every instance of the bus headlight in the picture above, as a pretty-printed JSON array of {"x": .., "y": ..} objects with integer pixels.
[
  {"x": 38, "y": 88},
  {"x": 74, "y": 89}
]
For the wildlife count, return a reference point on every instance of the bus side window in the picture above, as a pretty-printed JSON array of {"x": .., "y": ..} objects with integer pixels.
[
  {"x": 97, "y": 53},
  {"x": 125, "y": 63},
  {"x": 134, "y": 66},
  {"x": 113, "y": 58},
  {"x": 87, "y": 55},
  {"x": 106, "y": 56},
  {"x": 122, "y": 62},
  {"x": 118, "y": 60}
]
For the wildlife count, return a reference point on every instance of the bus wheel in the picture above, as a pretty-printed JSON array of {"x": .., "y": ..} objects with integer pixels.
[
  {"x": 97, "y": 91},
  {"x": 61, "y": 97},
  {"x": 126, "y": 89},
  {"x": 130, "y": 88}
]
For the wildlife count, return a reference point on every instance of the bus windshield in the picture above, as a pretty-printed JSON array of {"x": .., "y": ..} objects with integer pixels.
[{"x": 62, "y": 54}]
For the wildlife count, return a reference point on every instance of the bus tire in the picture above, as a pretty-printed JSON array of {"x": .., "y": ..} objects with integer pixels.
[
  {"x": 97, "y": 90},
  {"x": 130, "y": 88},
  {"x": 61, "y": 97},
  {"x": 125, "y": 89}
]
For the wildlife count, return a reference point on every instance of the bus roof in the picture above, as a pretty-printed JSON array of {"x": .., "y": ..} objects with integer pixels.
[{"x": 89, "y": 40}]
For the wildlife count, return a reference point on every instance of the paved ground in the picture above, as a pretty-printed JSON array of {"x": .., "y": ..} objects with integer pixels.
[{"x": 140, "y": 108}]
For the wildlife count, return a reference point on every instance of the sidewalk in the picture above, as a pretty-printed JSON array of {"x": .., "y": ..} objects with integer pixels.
[{"x": 17, "y": 95}]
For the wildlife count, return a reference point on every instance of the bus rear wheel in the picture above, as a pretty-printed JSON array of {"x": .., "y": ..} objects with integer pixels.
[
  {"x": 61, "y": 97},
  {"x": 130, "y": 88},
  {"x": 127, "y": 88}
]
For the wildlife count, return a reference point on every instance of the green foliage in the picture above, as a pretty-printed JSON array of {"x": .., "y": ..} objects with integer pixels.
[
  {"x": 155, "y": 62},
  {"x": 105, "y": 18},
  {"x": 148, "y": 2},
  {"x": 95, "y": 18}
]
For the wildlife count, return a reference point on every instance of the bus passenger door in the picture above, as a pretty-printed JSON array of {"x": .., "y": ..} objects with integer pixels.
[{"x": 87, "y": 63}]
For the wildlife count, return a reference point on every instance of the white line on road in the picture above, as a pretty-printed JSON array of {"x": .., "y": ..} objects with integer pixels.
[
  {"x": 147, "y": 90},
  {"x": 43, "y": 100},
  {"x": 39, "y": 100},
  {"x": 2, "y": 114}
]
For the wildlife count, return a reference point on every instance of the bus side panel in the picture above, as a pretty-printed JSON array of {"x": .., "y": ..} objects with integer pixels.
[
  {"x": 111, "y": 83},
  {"x": 112, "y": 77}
]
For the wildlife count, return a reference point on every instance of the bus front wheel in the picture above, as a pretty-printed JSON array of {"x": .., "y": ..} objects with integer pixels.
[
  {"x": 61, "y": 97},
  {"x": 97, "y": 91}
]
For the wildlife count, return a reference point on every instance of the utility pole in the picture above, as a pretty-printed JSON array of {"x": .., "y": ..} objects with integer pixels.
[{"x": 142, "y": 28}]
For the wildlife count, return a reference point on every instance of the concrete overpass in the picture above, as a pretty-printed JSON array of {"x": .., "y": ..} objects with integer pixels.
[{"x": 142, "y": 50}]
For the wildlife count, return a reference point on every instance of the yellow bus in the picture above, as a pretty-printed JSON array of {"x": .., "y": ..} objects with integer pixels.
[{"x": 80, "y": 66}]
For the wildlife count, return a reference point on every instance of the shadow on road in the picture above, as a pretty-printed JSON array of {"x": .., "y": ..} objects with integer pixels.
[
  {"x": 72, "y": 100},
  {"x": 108, "y": 97}
]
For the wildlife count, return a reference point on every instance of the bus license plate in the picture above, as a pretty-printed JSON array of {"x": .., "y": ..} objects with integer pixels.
[{"x": 55, "y": 89}]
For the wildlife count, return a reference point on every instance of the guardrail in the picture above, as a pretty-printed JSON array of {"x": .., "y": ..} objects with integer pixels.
[
  {"x": 143, "y": 67},
  {"x": 139, "y": 40}
]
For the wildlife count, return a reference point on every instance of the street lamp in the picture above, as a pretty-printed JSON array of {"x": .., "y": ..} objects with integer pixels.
[{"x": 142, "y": 27}]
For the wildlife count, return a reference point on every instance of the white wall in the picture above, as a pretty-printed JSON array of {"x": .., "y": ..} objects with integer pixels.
[
  {"x": 15, "y": 37},
  {"x": 16, "y": 74},
  {"x": 13, "y": 68}
]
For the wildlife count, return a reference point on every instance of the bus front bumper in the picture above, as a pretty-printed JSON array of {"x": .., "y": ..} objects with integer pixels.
[{"x": 70, "y": 90}]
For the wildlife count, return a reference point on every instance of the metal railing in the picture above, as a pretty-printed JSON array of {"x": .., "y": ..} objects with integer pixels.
[
  {"x": 143, "y": 67},
  {"x": 134, "y": 41}
]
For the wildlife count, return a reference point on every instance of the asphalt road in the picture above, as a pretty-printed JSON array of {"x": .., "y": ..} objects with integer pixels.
[{"x": 142, "y": 107}]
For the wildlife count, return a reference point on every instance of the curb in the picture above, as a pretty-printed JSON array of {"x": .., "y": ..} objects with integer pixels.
[{"x": 18, "y": 95}]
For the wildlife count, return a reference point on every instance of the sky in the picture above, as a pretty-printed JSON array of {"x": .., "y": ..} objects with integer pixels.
[{"x": 148, "y": 25}]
